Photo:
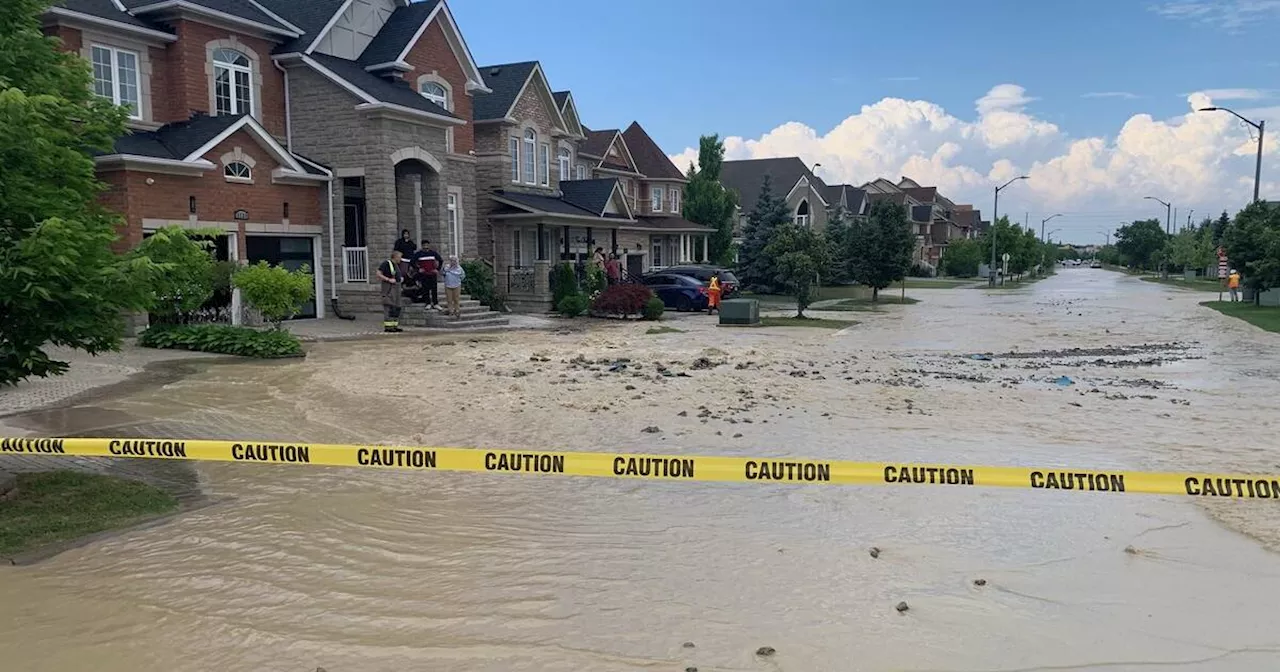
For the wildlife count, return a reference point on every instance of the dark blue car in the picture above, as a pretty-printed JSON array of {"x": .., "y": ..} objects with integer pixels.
[{"x": 678, "y": 291}]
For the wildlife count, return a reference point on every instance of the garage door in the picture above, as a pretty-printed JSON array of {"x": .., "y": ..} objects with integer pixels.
[{"x": 290, "y": 252}]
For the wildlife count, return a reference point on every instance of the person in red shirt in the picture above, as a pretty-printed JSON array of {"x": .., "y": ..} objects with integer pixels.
[
  {"x": 613, "y": 269},
  {"x": 427, "y": 262}
]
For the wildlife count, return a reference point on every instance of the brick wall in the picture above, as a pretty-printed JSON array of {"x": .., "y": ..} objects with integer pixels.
[
  {"x": 187, "y": 72},
  {"x": 433, "y": 54},
  {"x": 70, "y": 37}
]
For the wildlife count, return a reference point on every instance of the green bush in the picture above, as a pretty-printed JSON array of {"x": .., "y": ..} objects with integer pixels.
[
  {"x": 596, "y": 281},
  {"x": 222, "y": 339},
  {"x": 572, "y": 305},
  {"x": 275, "y": 291},
  {"x": 653, "y": 309},
  {"x": 564, "y": 282},
  {"x": 479, "y": 283},
  {"x": 498, "y": 301},
  {"x": 186, "y": 280}
]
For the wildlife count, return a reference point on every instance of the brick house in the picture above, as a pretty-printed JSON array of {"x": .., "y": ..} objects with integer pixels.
[{"x": 208, "y": 144}]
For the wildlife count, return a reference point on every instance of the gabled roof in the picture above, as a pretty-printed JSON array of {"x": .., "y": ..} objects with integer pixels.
[
  {"x": 847, "y": 196},
  {"x": 561, "y": 97},
  {"x": 241, "y": 12},
  {"x": 98, "y": 11},
  {"x": 590, "y": 195},
  {"x": 597, "y": 142},
  {"x": 398, "y": 33},
  {"x": 371, "y": 88},
  {"x": 649, "y": 158},
  {"x": 309, "y": 15},
  {"x": 922, "y": 194},
  {"x": 506, "y": 81},
  {"x": 899, "y": 197},
  {"x": 922, "y": 213},
  {"x": 582, "y": 198},
  {"x": 186, "y": 142},
  {"x": 745, "y": 177},
  {"x": 672, "y": 224},
  {"x": 881, "y": 186},
  {"x": 569, "y": 112}
]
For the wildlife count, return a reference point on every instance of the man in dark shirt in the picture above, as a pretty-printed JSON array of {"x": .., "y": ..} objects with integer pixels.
[
  {"x": 427, "y": 262},
  {"x": 405, "y": 244},
  {"x": 390, "y": 278}
]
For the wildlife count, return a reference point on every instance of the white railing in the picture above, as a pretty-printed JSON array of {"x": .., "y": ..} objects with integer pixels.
[{"x": 355, "y": 264}]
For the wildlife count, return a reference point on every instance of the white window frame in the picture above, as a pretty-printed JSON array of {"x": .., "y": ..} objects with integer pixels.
[
  {"x": 237, "y": 106},
  {"x": 513, "y": 148},
  {"x": 674, "y": 199},
  {"x": 115, "y": 69},
  {"x": 544, "y": 164},
  {"x": 564, "y": 161},
  {"x": 582, "y": 172},
  {"x": 231, "y": 173},
  {"x": 530, "y": 164},
  {"x": 802, "y": 220},
  {"x": 441, "y": 99},
  {"x": 657, "y": 195},
  {"x": 453, "y": 209}
]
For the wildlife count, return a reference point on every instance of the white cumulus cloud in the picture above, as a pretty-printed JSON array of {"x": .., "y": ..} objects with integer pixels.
[{"x": 1196, "y": 160}]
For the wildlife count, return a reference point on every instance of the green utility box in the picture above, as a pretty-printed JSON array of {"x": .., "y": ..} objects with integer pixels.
[{"x": 739, "y": 313}]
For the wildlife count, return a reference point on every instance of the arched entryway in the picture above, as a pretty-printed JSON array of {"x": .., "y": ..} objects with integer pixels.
[{"x": 420, "y": 195}]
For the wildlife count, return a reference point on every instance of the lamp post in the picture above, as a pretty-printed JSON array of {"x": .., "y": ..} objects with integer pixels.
[
  {"x": 1042, "y": 223},
  {"x": 1167, "y": 212},
  {"x": 1262, "y": 131},
  {"x": 1043, "y": 240},
  {"x": 995, "y": 218}
]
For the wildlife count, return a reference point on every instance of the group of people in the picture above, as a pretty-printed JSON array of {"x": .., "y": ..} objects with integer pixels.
[
  {"x": 611, "y": 264},
  {"x": 414, "y": 272}
]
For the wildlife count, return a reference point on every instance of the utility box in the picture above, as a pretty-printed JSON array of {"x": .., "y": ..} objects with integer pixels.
[
  {"x": 1269, "y": 298},
  {"x": 739, "y": 312}
]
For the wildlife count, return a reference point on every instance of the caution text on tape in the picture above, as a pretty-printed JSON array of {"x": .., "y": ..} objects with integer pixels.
[{"x": 661, "y": 467}]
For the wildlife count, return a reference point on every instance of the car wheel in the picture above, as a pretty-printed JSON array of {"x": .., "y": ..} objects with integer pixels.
[{"x": 683, "y": 304}]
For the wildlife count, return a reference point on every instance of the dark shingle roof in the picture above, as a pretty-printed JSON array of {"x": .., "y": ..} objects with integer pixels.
[
  {"x": 590, "y": 195},
  {"x": 597, "y": 142},
  {"x": 549, "y": 204},
  {"x": 846, "y": 195},
  {"x": 106, "y": 9},
  {"x": 396, "y": 93},
  {"x": 238, "y": 8},
  {"x": 309, "y": 15},
  {"x": 561, "y": 97},
  {"x": 650, "y": 160},
  {"x": 922, "y": 213},
  {"x": 672, "y": 223},
  {"x": 176, "y": 140},
  {"x": 506, "y": 81},
  {"x": 898, "y": 197},
  {"x": 745, "y": 177},
  {"x": 922, "y": 194},
  {"x": 397, "y": 32}
]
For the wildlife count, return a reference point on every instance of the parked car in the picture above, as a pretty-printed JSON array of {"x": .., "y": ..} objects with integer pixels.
[
  {"x": 729, "y": 284},
  {"x": 681, "y": 292},
  {"x": 1095, "y": 264}
]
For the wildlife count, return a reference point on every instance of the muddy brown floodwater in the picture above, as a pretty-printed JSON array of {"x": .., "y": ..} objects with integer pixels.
[{"x": 371, "y": 571}]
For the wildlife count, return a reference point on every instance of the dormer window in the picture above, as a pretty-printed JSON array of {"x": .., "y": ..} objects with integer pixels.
[
  {"x": 232, "y": 74},
  {"x": 802, "y": 213},
  {"x": 435, "y": 93}
]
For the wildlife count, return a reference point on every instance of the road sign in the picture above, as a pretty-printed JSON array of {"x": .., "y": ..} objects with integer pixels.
[{"x": 1004, "y": 257}]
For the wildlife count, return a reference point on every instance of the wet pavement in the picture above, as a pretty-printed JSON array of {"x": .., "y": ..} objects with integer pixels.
[{"x": 371, "y": 571}]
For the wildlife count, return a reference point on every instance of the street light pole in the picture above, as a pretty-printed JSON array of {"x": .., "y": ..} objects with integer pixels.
[
  {"x": 1168, "y": 209},
  {"x": 995, "y": 217},
  {"x": 1262, "y": 132},
  {"x": 1042, "y": 223}
]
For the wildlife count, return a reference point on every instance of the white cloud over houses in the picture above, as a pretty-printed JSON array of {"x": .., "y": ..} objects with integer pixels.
[{"x": 1197, "y": 160}]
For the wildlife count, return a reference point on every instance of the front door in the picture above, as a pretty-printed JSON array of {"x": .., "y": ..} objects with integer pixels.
[
  {"x": 635, "y": 265},
  {"x": 291, "y": 252}
]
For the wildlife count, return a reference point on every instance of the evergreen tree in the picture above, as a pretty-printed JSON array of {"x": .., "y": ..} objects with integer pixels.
[
  {"x": 755, "y": 267},
  {"x": 837, "y": 235},
  {"x": 880, "y": 247},
  {"x": 708, "y": 203},
  {"x": 798, "y": 254},
  {"x": 1220, "y": 227},
  {"x": 60, "y": 282}
]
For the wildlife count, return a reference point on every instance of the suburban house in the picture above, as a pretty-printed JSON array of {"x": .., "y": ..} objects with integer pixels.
[
  {"x": 789, "y": 177},
  {"x": 312, "y": 133},
  {"x": 936, "y": 219}
]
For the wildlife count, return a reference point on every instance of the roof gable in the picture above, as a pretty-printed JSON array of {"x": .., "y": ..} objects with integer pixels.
[
  {"x": 188, "y": 141},
  {"x": 108, "y": 14},
  {"x": 597, "y": 196},
  {"x": 245, "y": 13},
  {"x": 650, "y": 160},
  {"x": 569, "y": 111},
  {"x": 374, "y": 90},
  {"x": 505, "y": 82},
  {"x": 311, "y": 17},
  {"x": 405, "y": 28},
  {"x": 745, "y": 177}
]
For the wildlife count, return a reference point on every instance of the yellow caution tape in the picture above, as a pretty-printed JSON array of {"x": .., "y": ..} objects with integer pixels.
[{"x": 661, "y": 467}]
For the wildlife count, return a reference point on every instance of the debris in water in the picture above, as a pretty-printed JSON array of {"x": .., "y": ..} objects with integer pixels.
[
  {"x": 765, "y": 651},
  {"x": 651, "y": 429},
  {"x": 1064, "y": 381},
  {"x": 875, "y": 552},
  {"x": 977, "y": 356},
  {"x": 683, "y": 414},
  {"x": 979, "y": 582},
  {"x": 691, "y": 669},
  {"x": 1076, "y": 404},
  {"x": 902, "y": 606},
  {"x": 1130, "y": 550},
  {"x": 688, "y": 645}
]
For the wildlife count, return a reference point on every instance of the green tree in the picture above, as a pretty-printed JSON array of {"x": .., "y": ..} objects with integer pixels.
[
  {"x": 1141, "y": 242},
  {"x": 1220, "y": 227},
  {"x": 1008, "y": 239},
  {"x": 187, "y": 281},
  {"x": 962, "y": 258},
  {"x": 798, "y": 255},
  {"x": 275, "y": 291},
  {"x": 1252, "y": 242},
  {"x": 60, "y": 282},
  {"x": 755, "y": 269},
  {"x": 708, "y": 203},
  {"x": 1191, "y": 248},
  {"x": 880, "y": 247},
  {"x": 836, "y": 270}
]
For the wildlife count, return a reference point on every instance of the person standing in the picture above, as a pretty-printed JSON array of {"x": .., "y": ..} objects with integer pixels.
[
  {"x": 713, "y": 294},
  {"x": 1233, "y": 284},
  {"x": 454, "y": 274},
  {"x": 428, "y": 262},
  {"x": 390, "y": 277},
  {"x": 597, "y": 259},
  {"x": 404, "y": 245},
  {"x": 613, "y": 269}
]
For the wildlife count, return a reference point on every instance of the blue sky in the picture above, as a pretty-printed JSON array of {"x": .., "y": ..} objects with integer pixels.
[{"x": 743, "y": 68}]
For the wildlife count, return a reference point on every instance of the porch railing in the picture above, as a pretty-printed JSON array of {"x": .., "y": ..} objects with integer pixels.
[
  {"x": 355, "y": 264},
  {"x": 520, "y": 280}
]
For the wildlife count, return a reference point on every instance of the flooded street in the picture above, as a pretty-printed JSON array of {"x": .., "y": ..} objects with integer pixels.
[{"x": 367, "y": 571}]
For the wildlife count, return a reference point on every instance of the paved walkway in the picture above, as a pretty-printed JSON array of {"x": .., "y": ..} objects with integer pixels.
[{"x": 369, "y": 326}]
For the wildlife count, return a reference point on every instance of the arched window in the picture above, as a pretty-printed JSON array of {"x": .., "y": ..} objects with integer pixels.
[
  {"x": 435, "y": 93},
  {"x": 232, "y": 76},
  {"x": 802, "y": 213},
  {"x": 565, "y": 159},
  {"x": 530, "y": 154},
  {"x": 238, "y": 171}
]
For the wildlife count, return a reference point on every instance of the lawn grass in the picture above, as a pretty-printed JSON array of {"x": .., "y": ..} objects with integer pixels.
[
  {"x": 1015, "y": 284},
  {"x": 1262, "y": 317},
  {"x": 654, "y": 331},
  {"x": 59, "y": 506},
  {"x": 805, "y": 322},
  {"x": 1199, "y": 284},
  {"x": 864, "y": 304}
]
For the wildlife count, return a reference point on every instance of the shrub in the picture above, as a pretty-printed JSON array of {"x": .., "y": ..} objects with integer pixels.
[
  {"x": 920, "y": 269},
  {"x": 223, "y": 339},
  {"x": 186, "y": 279},
  {"x": 479, "y": 283},
  {"x": 564, "y": 282},
  {"x": 623, "y": 300},
  {"x": 596, "y": 281},
  {"x": 653, "y": 309},
  {"x": 572, "y": 305},
  {"x": 275, "y": 291}
]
